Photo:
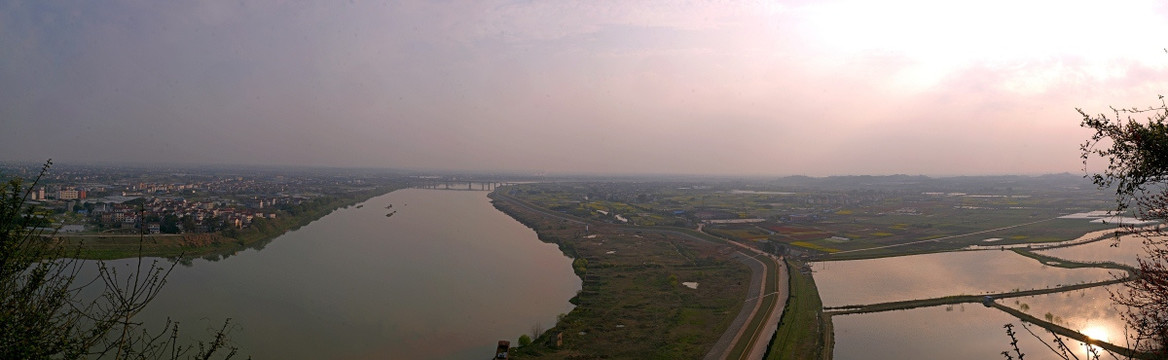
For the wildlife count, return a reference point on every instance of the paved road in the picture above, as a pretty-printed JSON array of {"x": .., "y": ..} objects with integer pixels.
[
  {"x": 772, "y": 322},
  {"x": 721, "y": 348},
  {"x": 774, "y": 280}
]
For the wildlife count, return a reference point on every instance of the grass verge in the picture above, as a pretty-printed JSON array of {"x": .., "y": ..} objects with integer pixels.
[{"x": 800, "y": 333}]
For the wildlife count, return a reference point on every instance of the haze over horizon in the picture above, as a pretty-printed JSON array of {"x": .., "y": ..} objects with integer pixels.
[{"x": 749, "y": 88}]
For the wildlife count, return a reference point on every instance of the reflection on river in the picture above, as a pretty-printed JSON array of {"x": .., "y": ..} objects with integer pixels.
[
  {"x": 444, "y": 278},
  {"x": 969, "y": 331},
  {"x": 936, "y": 275},
  {"x": 1122, "y": 250}
]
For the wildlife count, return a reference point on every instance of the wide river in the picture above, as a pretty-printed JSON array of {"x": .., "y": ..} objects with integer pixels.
[{"x": 445, "y": 277}]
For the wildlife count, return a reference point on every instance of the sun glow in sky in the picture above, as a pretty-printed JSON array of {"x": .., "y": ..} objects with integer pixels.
[
  {"x": 755, "y": 87},
  {"x": 1096, "y": 333}
]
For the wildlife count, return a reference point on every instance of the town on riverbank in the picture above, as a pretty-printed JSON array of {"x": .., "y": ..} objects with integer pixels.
[{"x": 107, "y": 212}]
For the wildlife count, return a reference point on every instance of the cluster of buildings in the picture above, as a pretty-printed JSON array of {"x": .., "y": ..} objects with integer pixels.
[
  {"x": 69, "y": 193},
  {"x": 177, "y": 215},
  {"x": 128, "y": 198},
  {"x": 213, "y": 204}
]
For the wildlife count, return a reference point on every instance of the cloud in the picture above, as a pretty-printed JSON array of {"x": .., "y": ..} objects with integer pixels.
[{"x": 704, "y": 87}]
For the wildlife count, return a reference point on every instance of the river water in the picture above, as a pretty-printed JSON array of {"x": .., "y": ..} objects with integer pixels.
[{"x": 445, "y": 277}]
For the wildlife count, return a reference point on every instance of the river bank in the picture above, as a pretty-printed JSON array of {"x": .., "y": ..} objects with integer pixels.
[
  {"x": 211, "y": 245},
  {"x": 634, "y": 300}
]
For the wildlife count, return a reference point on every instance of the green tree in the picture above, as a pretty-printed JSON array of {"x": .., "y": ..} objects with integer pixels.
[
  {"x": 44, "y": 313},
  {"x": 1136, "y": 151},
  {"x": 580, "y": 265},
  {"x": 524, "y": 340},
  {"x": 1134, "y": 143},
  {"x": 188, "y": 224},
  {"x": 169, "y": 224}
]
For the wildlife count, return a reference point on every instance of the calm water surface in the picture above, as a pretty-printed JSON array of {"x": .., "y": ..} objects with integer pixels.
[
  {"x": 446, "y": 277},
  {"x": 1123, "y": 250},
  {"x": 1088, "y": 311},
  {"x": 958, "y": 332},
  {"x": 935, "y": 275},
  {"x": 969, "y": 331}
]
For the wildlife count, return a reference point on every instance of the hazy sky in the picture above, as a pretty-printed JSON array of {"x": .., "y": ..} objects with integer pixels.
[{"x": 816, "y": 87}]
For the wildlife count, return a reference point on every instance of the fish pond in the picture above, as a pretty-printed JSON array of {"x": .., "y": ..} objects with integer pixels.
[{"x": 857, "y": 282}]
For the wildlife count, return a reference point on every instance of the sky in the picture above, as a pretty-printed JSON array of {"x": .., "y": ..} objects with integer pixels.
[{"x": 557, "y": 87}]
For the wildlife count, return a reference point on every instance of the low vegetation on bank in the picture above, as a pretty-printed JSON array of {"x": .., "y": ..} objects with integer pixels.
[
  {"x": 801, "y": 335},
  {"x": 643, "y": 295}
]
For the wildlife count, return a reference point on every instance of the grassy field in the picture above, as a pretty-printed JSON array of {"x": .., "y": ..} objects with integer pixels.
[
  {"x": 127, "y": 246},
  {"x": 863, "y": 221},
  {"x": 633, "y": 303}
]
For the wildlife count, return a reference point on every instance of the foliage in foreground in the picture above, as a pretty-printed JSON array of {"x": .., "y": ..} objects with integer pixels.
[
  {"x": 1137, "y": 155},
  {"x": 46, "y": 311},
  {"x": 1136, "y": 152}
]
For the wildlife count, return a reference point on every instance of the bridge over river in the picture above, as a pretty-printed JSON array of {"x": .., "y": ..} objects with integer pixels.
[{"x": 461, "y": 185}]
